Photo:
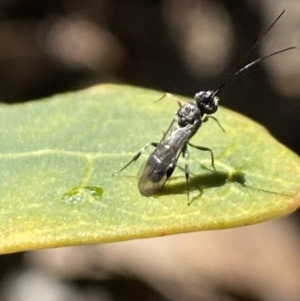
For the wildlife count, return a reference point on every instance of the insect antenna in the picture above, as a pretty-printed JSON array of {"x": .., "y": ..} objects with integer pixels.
[
  {"x": 238, "y": 70},
  {"x": 259, "y": 60}
]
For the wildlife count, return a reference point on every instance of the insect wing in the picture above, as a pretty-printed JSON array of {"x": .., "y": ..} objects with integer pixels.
[
  {"x": 156, "y": 171},
  {"x": 161, "y": 163},
  {"x": 152, "y": 178}
]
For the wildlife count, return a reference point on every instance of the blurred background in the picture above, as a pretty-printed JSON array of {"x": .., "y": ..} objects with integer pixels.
[{"x": 49, "y": 47}]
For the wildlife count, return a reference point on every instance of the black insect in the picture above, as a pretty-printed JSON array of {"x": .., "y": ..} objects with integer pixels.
[{"x": 186, "y": 122}]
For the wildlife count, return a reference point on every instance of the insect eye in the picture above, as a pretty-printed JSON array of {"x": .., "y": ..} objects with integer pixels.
[
  {"x": 212, "y": 106},
  {"x": 207, "y": 101},
  {"x": 203, "y": 98}
]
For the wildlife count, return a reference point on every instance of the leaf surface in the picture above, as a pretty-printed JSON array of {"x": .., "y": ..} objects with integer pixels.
[{"x": 58, "y": 155}]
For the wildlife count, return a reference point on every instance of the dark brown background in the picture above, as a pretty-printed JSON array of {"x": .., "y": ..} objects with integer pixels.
[{"x": 47, "y": 47}]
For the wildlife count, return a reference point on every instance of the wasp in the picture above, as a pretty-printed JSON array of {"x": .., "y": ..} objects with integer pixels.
[{"x": 185, "y": 124}]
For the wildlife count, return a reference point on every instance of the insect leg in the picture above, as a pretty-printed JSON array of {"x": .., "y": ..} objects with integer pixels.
[
  {"x": 203, "y": 148},
  {"x": 180, "y": 103},
  {"x": 137, "y": 155},
  {"x": 186, "y": 156},
  {"x": 215, "y": 119}
]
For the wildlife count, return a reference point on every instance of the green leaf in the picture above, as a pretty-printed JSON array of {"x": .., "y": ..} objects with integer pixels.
[{"x": 57, "y": 157}]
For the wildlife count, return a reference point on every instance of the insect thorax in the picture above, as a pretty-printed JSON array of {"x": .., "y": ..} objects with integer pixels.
[{"x": 188, "y": 114}]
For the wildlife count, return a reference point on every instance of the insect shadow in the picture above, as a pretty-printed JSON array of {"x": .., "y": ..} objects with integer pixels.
[
  {"x": 210, "y": 180},
  {"x": 201, "y": 182}
]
